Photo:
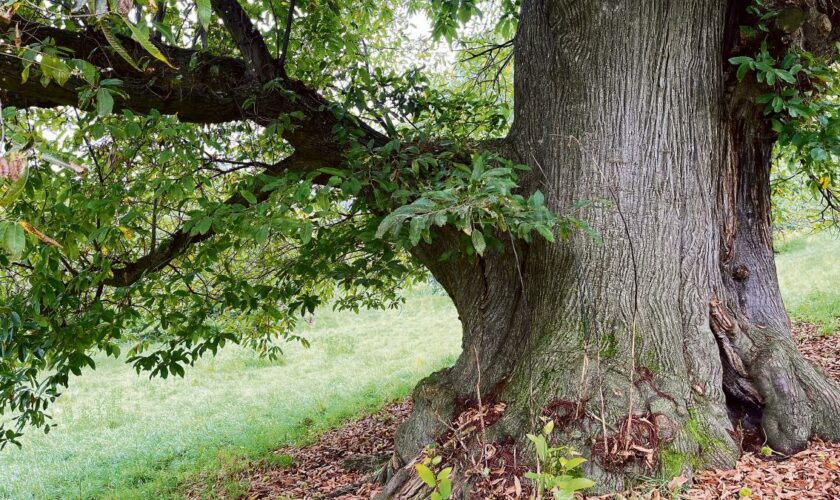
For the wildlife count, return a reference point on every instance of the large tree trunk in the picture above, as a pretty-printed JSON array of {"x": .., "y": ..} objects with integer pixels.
[{"x": 674, "y": 326}]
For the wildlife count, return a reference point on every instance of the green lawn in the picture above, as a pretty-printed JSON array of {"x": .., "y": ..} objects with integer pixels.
[
  {"x": 809, "y": 275},
  {"x": 124, "y": 436}
]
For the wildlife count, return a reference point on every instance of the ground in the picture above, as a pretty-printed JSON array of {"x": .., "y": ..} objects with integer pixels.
[
  {"x": 232, "y": 423},
  {"x": 341, "y": 463}
]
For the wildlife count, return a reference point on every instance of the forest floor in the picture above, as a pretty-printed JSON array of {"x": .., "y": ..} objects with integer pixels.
[{"x": 341, "y": 463}]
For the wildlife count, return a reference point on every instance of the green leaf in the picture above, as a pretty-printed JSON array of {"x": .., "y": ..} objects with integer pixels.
[
  {"x": 205, "y": 12},
  {"x": 445, "y": 488},
  {"x": 55, "y": 69},
  {"x": 540, "y": 444},
  {"x": 249, "y": 196},
  {"x": 577, "y": 483},
  {"x": 573, "y": 463},
  {"x": 117, "y": 46},
  {"x": 818, "y": 154},
  {"x": 306, "y": 233},
  {"x": 786, "y": 76},
  {"x": 333, "y": 171},
  {"x": 546, "y": 233},
  {"x": 536, "y": 200},
  {"x": 742, "y": 71},
  {"x": 740, "y": 60},
  {"x": 415, "y": 229},
  {"x": 478, "y": 242},
  {"x": 14, "y": 240},
  {"x": 104, "y": 102},
  {"x": 426, "y": 475},
  {"x": 88, "y": 70},
  {"x": 142, "y": 38},
  {"x": 203, "y": 225},
  {"x": 388, "y": 223},
  {"x": 441, "y": 218}
]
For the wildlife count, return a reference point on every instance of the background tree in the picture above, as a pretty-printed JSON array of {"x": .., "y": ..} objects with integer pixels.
[{"x": 162, "y": 188}]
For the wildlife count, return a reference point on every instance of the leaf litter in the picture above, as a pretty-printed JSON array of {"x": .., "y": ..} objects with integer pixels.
[{"x": 342, "y": 463}]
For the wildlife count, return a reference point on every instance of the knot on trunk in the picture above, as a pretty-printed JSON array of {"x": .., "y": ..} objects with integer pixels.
[{"x": 741, "y": 273}]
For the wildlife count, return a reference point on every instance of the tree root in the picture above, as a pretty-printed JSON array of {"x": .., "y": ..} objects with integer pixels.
[{"x": 765, "y": 371}]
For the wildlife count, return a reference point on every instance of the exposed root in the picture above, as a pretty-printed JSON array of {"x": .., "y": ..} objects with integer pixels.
[
  {"x": 492, "y": 468},
  {"x": 637, "y": 440},
  {"x": 644, "y": 375},
  {"x": 767, "y": 379},
  {"x": 736, "y": 380},
  {"x": 564, "y": 413}
]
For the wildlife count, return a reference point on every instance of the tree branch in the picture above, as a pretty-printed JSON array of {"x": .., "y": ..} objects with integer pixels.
[
  {"x": 289, "y": 18},
  {"x": 182, "y": 240},
  {"x": 250, "y": 42},
  {"x": 202, "y": 89}
]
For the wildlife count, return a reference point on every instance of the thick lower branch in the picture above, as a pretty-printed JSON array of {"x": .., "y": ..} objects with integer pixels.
[{"x": 202, "y": 89}]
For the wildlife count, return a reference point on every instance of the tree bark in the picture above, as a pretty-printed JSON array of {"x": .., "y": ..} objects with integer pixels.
[{"x": 673, "y": 328}]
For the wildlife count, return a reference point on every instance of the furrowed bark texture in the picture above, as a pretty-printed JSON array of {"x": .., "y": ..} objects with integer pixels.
[{"x": 644, "y": 347}]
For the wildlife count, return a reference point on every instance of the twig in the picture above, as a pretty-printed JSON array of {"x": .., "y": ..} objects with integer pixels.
[
  {"x": 289, "y": 19},
  {"x": 601, "y": 397}
]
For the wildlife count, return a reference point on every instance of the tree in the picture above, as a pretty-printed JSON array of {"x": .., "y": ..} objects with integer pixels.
[{"x": 228, "y": 195}]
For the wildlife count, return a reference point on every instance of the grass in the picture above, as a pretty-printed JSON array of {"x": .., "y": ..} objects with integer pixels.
[
  {"x": 809, "y": 276},
  {"x": 121, "y": 435}
]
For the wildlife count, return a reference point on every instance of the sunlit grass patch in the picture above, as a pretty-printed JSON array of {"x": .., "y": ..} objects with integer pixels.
[
  {"x": 121, "y": 435},
  {"x": 809, "y": 276}
]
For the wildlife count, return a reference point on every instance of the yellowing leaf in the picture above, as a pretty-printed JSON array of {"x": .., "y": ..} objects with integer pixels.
[
  {"x": 117, "y": 46},
  {"x": 143, "y": 39},
  {"x": 15, "y": 169},
  {"x": 29, "y": 228},
  {"x": 127, "y": 233},
  {"x": 426, "y": 475}
]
